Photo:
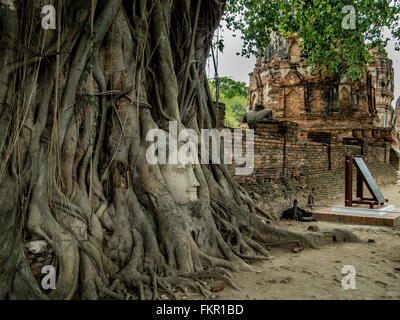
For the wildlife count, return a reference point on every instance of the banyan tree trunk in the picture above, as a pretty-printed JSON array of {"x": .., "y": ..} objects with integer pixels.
[{"x": 76, "y": 104}]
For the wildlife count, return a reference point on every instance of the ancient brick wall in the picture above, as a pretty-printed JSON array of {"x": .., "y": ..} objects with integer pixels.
[
  {"x": 286, "y": 167},
  {"x": 319, "y": 119}
]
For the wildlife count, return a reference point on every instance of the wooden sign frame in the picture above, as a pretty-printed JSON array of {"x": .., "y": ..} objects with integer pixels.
[{"x": 361, "y": 179}]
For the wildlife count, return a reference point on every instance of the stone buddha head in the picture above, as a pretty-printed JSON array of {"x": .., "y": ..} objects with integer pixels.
[{"x": 180, "y": 177}]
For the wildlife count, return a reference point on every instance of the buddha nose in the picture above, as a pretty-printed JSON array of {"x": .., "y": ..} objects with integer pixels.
[{"x": 193, "y": 180}]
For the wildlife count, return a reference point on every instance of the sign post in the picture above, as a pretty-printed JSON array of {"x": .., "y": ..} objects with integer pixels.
[{"x": 363, "y": 176}]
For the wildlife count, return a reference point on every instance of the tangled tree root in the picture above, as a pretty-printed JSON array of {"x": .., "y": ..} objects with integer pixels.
[{"x": 73, "y": 143}]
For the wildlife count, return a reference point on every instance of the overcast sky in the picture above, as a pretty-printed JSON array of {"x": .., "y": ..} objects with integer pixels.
[{"x": 238, "y": 67}]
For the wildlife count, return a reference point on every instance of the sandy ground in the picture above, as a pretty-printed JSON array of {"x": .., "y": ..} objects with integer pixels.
[{"x": 317, "y": 274}]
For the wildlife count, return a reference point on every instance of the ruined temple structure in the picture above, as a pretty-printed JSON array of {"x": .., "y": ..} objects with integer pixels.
[
  {"x": 284, "y": 83},
  {"x": 382, "y": 76},
  {"x": 318, "y": 120},
  {"x": 396, "y": 117},
  {"x": 326, "y": 106}
]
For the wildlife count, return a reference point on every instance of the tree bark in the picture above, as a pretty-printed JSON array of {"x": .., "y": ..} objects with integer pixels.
[{"x": 76, "y": 105}]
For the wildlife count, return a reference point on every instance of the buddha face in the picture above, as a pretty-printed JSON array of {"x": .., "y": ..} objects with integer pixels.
[{"x": 181, "y": 181}]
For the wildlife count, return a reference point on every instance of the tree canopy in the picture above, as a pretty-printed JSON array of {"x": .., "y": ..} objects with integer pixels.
[
  {"x": 332, "y": 31},
  {"x": 231, "y": 88}
]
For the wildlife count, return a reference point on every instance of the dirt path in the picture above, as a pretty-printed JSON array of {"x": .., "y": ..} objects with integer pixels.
[{"x": 317, "y": 274}]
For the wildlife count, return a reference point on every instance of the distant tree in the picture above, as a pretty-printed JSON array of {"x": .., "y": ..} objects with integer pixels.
[
  {"x": 231, "y": 88},
  {"x": 239, "y": 109},
  {"x": 234, "y": 95}
]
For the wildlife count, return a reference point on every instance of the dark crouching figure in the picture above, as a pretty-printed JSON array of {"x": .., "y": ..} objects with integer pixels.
[
  {"x": 260, "y": 113},
  {"x": 296, "y": 213}
]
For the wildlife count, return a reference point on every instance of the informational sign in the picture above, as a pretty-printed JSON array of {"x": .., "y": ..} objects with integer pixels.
[{"x": 369, "y": 180}]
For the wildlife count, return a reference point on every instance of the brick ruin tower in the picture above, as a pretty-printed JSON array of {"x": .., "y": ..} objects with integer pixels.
[
  {"x": 382, "y": 74},
  {"x": 284, "y": 83},
  {"x": 396, "y": 116}
]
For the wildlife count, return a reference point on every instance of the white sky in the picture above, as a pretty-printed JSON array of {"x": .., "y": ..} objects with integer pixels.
[{"x": 238, "y": 67}]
